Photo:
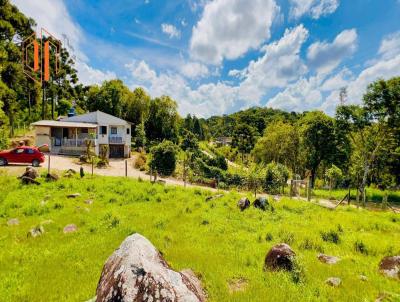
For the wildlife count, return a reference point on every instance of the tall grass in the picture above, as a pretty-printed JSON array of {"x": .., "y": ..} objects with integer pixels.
[{"x": 213, "y": 238}]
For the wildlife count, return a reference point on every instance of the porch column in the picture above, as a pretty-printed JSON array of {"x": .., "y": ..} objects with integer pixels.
[{"x": 76, "y": 137}]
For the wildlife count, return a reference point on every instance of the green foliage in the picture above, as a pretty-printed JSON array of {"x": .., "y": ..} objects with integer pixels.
[
  {"x": 244, "y": 138},
  {"x": 163, "y": 158},
  {"x": 140, "y": 136},
  {"x": 334, "y": 174},
  {"x": 276, "y": 176},
  {"x": 189, "y": 142}
]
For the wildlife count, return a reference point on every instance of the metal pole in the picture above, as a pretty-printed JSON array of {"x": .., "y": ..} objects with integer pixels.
[
  {"x": 126, "y": 168},
  {"x": 48, "y": 166},
  {"x": 92, "y": 164}
]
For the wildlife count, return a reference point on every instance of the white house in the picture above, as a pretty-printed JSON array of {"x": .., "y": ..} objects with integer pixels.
[{"x": 68, "y": 135}]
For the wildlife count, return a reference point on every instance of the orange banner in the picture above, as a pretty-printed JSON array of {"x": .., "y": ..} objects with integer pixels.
[
  {"x": 35, "y": 55},
  {"x": 46, "y": 61}
]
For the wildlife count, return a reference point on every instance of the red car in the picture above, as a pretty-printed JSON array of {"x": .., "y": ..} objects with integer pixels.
[{"x": 22, "y": 155}]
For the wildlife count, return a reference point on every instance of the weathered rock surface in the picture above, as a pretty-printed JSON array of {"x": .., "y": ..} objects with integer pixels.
[
  {"x": 30, "y": 172},
  {"x": 390, "y": 267},
  {"x": 237, "y": 285},
  {"x": 13, "y": 221},
  {"x": 75, "y": 195},
  {"x": 328, "y": 259},
  {"x": 243, "y": 203},
  {"x": 261, "y": 203},
  {"x": 70, "y": 228},
  {"x": 333, "y": 281},
  {"x": 36, "y": 231},
  {"x": 51, "y": 177},
  {"x": 280, "y": 257},
  {"x": 136, "y": 271}
]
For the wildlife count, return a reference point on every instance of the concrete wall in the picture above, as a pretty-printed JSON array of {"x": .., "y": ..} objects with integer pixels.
[{"x": 42, "y": 136}]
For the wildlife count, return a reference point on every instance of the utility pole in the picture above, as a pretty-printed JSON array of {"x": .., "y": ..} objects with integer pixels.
[{"x": 343, "y": 96}]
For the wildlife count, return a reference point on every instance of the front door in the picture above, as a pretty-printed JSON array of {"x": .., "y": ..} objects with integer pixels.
[{"x": 116, "y": 151}]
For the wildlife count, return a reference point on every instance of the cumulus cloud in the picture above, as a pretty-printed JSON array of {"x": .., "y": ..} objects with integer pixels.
[
  {"x": 280, "y": 64},
  {"x": 390, "y": 45},
  {"x": 227, "y": 29},
  {"x": 325, "y": 56},
  {"x": 314, "y": 8},
  {"x": 47, "y": 14},
  {"x": 194, "y": 70},
  {"x": 170, "y": 30}
]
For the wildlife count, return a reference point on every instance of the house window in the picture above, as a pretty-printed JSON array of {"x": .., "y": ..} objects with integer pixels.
[
  {"x": 113, "y": 130},
  {"x": 128, "y": 131},
  {"x": 84, "y": 130},
  {"x": 103, "y": 130}
]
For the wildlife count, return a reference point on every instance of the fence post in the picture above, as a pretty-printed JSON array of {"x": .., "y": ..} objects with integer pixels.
[
  {"x": 92, "y": 164},
  {"x": 126, "y": 168},
  {"x": 308, "y": 189},
  {"x": 48, "y": 166}
]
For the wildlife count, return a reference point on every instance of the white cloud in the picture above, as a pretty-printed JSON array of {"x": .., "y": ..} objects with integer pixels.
[
  {"x": 280, "y": 64},
  {"x": 48, "y": 14},
  {"x": 170, "y": 30},
  {"x": 229, "y": 28},
  {"x": 314, "y": 8},
  {"x": 324, "y": 56},
  {"x": 194, "y": 70},
  {"x": 338, "y": 80},
  {"x": 390, "y": 45}
]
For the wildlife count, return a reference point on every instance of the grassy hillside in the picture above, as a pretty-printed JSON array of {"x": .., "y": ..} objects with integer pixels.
[{"x": 213, "y": 238}]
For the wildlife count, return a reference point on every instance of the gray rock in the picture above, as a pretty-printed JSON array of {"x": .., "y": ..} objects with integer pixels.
[
  {"x": 89, "y": 201},
  {"x": 70, "y": 228},
  {"x": 261, "y": 203},
  {"x": 13, "y": 221},
  {"x": 36, "y": 231},
  {"x": 333, "y": 281},
  {"x": 136, "y": 271},
  {"x": 328, "y": 259},
  {"x": 280, "y": 257},
  {"x": 390, "y": 267},
  {"x": 75, "y": 195},
  {"x": 243, "y": 203}
]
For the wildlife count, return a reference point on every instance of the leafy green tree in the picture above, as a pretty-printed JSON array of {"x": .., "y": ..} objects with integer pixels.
[
  {"x": 4, "y": 131},
  {"x": 162, "y": 122},
  {"x": 317, "y": 140},
  {"x": 140, "y": 136},
  {"x": 280, "y": 144},
  {"x": 276, "y": 176},
  {"x": 136, "y": 107},
  {"x": 190, "y": 142},
  {"x": 334, "y": 175},
  {"x": 255, "y": 176},
  {"x": 163, "y": 158},
  {"x": 244, "y": 138}
]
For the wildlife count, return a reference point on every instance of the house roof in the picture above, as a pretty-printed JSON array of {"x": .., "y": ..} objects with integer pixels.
[
  {"x": 64, "y": 124},
  {"x": 97, "y": 117}
]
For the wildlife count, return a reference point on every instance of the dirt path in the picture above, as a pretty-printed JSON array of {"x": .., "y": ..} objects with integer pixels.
[{"x": 116, "y": 168}]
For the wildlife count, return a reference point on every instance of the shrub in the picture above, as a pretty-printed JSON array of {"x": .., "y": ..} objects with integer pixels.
[
  {"x": 163, "y": 158},
  {"x": 331, "y": 236},
  {"x": 276, "y": 177},
  {"x": 140, "y": 162},
  {"x": 360, "y": 247}
]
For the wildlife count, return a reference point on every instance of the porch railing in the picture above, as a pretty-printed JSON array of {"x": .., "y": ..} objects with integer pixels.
[
  {"x": 116, "y": 140},
  {"x": 71, "y": 142}
]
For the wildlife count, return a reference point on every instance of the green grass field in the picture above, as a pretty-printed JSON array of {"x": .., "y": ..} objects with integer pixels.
[{"x": 213, "y": 238}]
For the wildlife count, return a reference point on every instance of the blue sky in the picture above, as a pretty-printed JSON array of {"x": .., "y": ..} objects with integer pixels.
[{"x": 220, "y": 56}]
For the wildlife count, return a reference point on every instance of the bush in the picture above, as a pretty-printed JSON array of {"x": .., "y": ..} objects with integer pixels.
[
  {"x": 163, "y": 158},
  {"x": 331, "y": 236},
  {"x": 140, "y": 162},
  {"x": 276, "y": 177}
]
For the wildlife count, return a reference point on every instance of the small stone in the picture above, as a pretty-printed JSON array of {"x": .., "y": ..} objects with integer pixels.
[
  {"x": 36, "y": 231},
  {"x": 390, "y": 267},
  {"x": 333, "y": 281},
  {"x": 328, "y": 259},
  {"x": 13, "y": 221},
  {"x": 363, "y": 278},
  {"x": 75, "y": 195},
  {"x": 70, "y": 228},
  {"x": 88, "y": 201}
]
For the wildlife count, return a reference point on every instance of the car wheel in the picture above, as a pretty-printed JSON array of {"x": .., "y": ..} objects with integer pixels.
[
  {"x": 35, "y": 163},
  {"x": 3, "y": 162}
]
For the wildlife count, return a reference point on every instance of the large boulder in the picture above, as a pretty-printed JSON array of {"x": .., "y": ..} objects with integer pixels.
[
  {"x": 280, "y": 257},
  {"x": 390, "y": 267},
  {"x": 328, "y": 259},
  {"x": 243, "y": 203},
  {"x": 29, "y": 176},
  {"x": 136, "y": 271},
  {"x": 261, "y": 203}
]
